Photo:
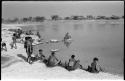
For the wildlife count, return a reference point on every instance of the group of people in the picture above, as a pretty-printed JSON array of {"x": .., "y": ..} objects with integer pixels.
[
  {"x": 16, "y": 35},
  {"x": 71, "y": 65},
  {"x": 52, "y": 60}
]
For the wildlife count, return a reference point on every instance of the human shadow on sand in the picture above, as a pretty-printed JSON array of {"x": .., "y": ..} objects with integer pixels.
[
  {"x": 10, "y": 62},
  {"x": 23, "y": 57}
]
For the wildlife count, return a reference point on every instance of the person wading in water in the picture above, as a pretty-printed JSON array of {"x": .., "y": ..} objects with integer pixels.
[{"x": 66, "y": 39}]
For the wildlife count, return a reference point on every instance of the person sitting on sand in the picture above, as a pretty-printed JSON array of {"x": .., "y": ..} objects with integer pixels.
[
  {"x": 52, "y": 60},
  {"x": 94, "y": 68},
  {"x": 71, "y": 63},
  {"x": 77, "y": 65},
  {"x": 3, "y": 45},
  {"x": 13, "y": 45},
  {"x": 40, "y": 55}
]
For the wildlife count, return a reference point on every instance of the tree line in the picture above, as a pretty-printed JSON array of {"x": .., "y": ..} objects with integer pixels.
[{"x": 57, "y": 17}]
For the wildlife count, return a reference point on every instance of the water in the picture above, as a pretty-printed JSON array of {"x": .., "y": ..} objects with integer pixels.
[{"x": 101, "y": 39}]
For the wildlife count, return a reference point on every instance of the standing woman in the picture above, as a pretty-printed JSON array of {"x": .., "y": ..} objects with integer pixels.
[
  {"x": 14, "y": 42},
  {"x": 29, "y": 48}
]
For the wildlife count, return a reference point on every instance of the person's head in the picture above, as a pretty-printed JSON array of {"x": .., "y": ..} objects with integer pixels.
[
  {"x": 73, "y": 56},
  {"x": 14, "y": 34},
  {"x": 52, "y": 53},
  {"x": 40, "y": 50},
  {"x": 95, "y": 59},
  {"x": 67, "y": 33},
  {"x": 30, "y": 39}
]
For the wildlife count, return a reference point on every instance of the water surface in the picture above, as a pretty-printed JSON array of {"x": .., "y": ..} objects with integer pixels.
[{"x": 102, "y": 39}]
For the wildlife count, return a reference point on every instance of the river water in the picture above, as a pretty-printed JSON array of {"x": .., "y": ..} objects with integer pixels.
[{"x": 102, "y": 39}]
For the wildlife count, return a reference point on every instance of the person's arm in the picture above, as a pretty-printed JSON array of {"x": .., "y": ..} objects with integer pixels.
[
  {"x": 81, "y": 66},
  {"x": 56, "y": 59},
  {"x": 68, "y": 62},
  {"x": 100, "y": 68},
  {"x": 49, "y": 58}
]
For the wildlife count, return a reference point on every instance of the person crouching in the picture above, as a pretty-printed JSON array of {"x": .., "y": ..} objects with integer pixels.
[
  {"x": 52, "y": 60},
  {"x": 3, "y": 45}
]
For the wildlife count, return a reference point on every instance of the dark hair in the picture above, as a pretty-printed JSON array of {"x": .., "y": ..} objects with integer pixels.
[
  {"x": 53, "y": 53},
  {"x": 95, "y": 59},
  {"x": 40, "y": 50},
  {"x": 14, "y": 34},
  {"x": 72, "y": 56}
]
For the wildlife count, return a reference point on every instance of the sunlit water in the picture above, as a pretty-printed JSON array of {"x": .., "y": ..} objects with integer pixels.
[{"x": 101, "y": 39}]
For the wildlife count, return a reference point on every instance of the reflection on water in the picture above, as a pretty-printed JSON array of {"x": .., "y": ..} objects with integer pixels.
[
  {"x": 55, "y": 27},
  {"x": 89, "y": 27},
  {"x": 101, "y": 27},
  {"x": 78, "y": 26},
  {"x": 40, "y": 28},
  {"x": 103, "y": 40}
]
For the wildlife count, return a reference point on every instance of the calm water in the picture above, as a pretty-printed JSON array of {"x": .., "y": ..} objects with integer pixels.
[{"x": 90, "y": 39}]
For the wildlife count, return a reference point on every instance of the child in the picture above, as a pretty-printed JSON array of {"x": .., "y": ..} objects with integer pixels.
[
  {"x": 94, "y": 68},
  {"x": 3, "y": 47},
  {"x": 71, "y": 63},
  {"x": 40, "y": 55}
]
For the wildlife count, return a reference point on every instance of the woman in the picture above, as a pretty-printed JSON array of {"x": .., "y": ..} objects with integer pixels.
[
  {"x": 71, "y": 63},
  {"x": 29, "y": 48},
  {"x": 52, "y": 60}
]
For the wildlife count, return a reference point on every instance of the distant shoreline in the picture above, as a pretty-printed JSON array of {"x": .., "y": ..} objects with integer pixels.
[{"x": 47, "y": 21}]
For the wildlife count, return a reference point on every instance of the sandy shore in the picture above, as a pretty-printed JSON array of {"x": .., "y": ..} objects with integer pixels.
[{"x": 21, "y": 69}]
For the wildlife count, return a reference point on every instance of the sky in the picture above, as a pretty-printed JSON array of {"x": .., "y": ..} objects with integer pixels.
[{"x": 12, "y": 9}]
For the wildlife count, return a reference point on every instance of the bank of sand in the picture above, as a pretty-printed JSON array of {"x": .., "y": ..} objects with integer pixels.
[{"x": 17, "y": 68}]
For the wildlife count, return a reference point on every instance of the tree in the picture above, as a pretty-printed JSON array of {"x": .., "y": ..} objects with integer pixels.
[
  {"x": 101, "y": 17},
  {"x": 39, "y": 19},
  {"x": 30, "y": 19},
  {"x": 54, "y": 17},
  {"x": 67, "y": 18},
  {"x": 123, "y": 16},
  {"x": 114, "y": 17},
  {"x": 90, "y": 17}
]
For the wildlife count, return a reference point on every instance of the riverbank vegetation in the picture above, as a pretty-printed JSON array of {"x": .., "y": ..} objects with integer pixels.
[{"x": 57, "y": 17}]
